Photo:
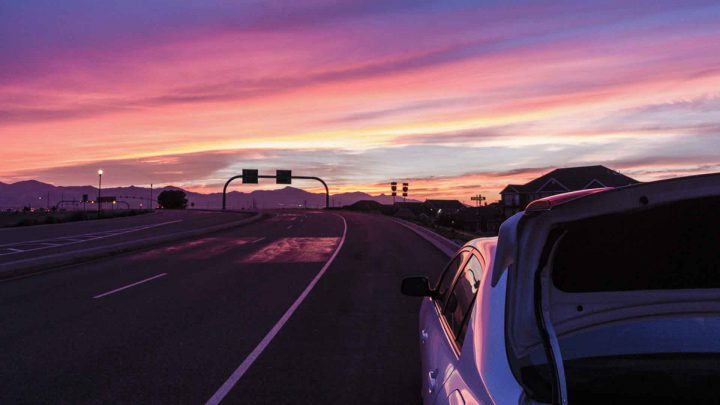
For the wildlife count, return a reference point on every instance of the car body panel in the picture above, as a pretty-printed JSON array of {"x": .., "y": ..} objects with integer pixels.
[
  {"x": 438, "y": 357},
  {"x": 504, "y": 323},
  {"x": 481, "y": 366}
]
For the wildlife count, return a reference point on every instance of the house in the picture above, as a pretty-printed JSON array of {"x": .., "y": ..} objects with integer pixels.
[
  {"x": 447, "y": 207},
  {"x": 417, "y": 208},
  {"x": 515, "y": 197}
]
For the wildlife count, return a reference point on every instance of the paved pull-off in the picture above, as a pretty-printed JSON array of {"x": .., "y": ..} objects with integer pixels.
[{"x": 262, "y": 314}]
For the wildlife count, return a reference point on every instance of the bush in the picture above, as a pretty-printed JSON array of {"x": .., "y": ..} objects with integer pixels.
[
  {"x": 27, "y": 222},
  {"x": 77, "y": 216},
  {"x": 173, "y": 199}
]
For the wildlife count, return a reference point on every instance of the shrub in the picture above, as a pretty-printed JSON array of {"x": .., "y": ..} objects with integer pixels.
[{"x": 173, "y": 199}]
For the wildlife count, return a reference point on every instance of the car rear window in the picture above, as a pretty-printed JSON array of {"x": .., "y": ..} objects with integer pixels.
[{"x": 673, "y": 246}]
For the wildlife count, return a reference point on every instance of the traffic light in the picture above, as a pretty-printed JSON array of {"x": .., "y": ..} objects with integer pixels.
[
  {"x": 283, "y": 177},
  {"x": 249, "y": 176},
  {"x": 393, "y": 188}
]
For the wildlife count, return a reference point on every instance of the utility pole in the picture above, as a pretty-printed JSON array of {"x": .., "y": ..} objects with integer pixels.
[
  {"x": 152, "y": 204},
  {"x": 478, "y": 198}
]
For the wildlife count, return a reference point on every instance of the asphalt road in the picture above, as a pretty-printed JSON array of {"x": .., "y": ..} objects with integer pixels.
[
  {"x": 33, "y": 241},
  {"x": 172, "y": 323}
]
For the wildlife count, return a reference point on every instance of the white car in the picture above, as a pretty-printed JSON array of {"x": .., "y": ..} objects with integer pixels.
[{"x": 596, "y": 296}]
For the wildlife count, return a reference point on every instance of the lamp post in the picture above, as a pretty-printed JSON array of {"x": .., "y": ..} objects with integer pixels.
[{"x": 100, "y": 173}]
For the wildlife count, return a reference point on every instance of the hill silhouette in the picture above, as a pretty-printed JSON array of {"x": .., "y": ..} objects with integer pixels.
[{"x": 35, "y": 194}]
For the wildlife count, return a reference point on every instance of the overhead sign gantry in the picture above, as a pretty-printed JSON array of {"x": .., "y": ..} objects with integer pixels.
[{"x": 251, "y": 176}]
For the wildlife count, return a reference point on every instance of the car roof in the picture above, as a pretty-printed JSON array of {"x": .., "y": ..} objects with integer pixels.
[
  {"x": 486, "y": 246},
  {"x": 478, "y": 243}
]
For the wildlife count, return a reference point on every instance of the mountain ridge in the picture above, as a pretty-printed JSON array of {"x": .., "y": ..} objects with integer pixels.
[{"x": 35, "y": 193}]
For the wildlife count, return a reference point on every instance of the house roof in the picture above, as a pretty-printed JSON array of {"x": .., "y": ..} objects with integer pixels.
[
  {"x": 415, "y": 207},
  {"x": 511, "y": 188},
  {"x": 574, "y": 178},
  {"x": 410, "y": 204}
]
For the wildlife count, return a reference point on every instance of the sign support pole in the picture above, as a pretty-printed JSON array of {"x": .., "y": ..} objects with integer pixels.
[{"x": 268, "y": 176}]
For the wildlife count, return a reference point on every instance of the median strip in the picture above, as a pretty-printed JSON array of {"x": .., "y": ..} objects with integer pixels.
[{"x": 23, "y": 267}]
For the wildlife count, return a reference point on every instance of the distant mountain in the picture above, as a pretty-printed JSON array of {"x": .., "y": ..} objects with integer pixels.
[{"x": 37, "y": 194}]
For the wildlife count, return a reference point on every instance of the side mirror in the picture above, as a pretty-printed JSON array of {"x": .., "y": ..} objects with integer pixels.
[{"x": 416, "y": 287}]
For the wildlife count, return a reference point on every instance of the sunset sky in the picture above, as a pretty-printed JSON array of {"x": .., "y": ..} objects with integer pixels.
[{"x": 456, "y": 97}]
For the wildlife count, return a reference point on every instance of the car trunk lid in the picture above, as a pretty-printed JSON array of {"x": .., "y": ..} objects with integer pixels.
[{"x": 614, "y": 262}]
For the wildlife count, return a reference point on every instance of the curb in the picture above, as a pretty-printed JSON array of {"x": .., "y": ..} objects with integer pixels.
[
  {"x": 40, "y": 264},
  {"x": 440, "y": 242}
]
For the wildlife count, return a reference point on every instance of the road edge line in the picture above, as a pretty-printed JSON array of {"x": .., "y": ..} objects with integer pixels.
[
  {"x": 257, "y": 351},
  {"x": 440, "y": 242}
]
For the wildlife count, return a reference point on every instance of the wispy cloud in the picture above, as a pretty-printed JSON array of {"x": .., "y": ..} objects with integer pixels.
[{"x": 455, "y": 95}]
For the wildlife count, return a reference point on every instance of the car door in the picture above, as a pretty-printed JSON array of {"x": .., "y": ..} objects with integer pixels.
[
  {"x": 457, "y": 313},
  {"x": 435, "y": 350},
  {"x": 452, "y": 314}
]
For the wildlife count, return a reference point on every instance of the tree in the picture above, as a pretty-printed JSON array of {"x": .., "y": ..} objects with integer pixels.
[{"x": 172, "y": 199}]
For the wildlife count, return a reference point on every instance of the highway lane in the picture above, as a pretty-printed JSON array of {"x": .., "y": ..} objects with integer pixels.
[
  {"x": 39, "y": 240},
  {"x": 203, "y": 305}
]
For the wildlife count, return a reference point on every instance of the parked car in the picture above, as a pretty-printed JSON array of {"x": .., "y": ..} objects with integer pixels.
[{"x": 596, "y": 296}]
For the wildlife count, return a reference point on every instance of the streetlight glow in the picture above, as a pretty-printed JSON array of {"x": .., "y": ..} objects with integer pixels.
[{"x": 100, "y": 173}]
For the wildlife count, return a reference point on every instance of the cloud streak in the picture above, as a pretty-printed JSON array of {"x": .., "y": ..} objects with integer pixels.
[{"x": 454, "y": 95}]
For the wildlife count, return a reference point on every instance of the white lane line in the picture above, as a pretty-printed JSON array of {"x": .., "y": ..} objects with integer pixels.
[
  {"x": 243, "y": 368},
  {"x": 289, "y": 227},
  {"x": 129, "y": 285}
]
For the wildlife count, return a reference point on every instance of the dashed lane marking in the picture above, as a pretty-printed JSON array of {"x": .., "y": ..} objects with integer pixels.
[{"x": 130, "y": 285}]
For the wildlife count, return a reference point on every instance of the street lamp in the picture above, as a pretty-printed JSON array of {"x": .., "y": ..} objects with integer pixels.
[{"x": 100, "y": 173}]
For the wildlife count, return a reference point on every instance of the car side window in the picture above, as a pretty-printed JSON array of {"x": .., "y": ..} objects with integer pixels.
[
  {"x": 448, "y": 276},
  {"x": 460, "y": 300}
]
